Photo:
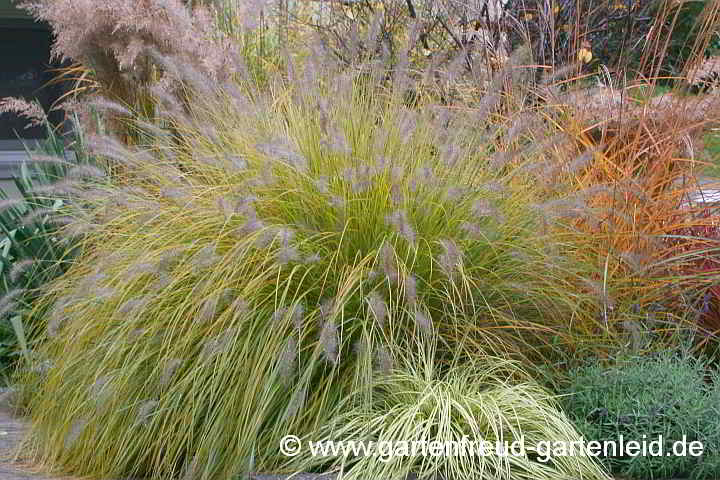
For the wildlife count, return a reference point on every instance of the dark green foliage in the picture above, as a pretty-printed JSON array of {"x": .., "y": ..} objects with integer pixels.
[
  {"x": 618, "y": 32},
  {"x": 683, "y": 35},
  {"x": 643, "y": 397}
]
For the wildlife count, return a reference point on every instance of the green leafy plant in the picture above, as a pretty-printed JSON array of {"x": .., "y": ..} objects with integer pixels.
[
  {"x": 33, "y": 247},
  {"x": 642, "y": 397}
]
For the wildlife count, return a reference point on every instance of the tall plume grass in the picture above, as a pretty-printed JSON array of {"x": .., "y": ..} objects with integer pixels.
[{"x": 240, "y": 268}]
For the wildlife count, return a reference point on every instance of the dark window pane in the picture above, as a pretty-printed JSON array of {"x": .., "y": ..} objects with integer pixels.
[{"x": 25, "y": 54}]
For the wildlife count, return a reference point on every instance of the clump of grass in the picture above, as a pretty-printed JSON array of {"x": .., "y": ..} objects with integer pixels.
[
  {"x": 629, "y": 200},
  {"x": 486, "y": 399},
  {"x": 233, "y": 278}
]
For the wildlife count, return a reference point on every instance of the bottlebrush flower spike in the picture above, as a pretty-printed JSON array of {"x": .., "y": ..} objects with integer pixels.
[
  {"x": 400, "y": 223},
  {"x": 378, "y": 307}
]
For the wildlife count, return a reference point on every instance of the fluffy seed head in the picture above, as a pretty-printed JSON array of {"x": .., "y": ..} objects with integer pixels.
[
  {"x": 86, "y": 171},
  {"x": 322, "y": 185},
  {"x": 378, "y": 307},
  {"x": 337, "y": 201},
  {"x": 162, "y": 281},
  {"x": 494, "y": 187},
  {"x": 19, "y": 269},
  {"x": 361, "y": 186},
  {"x": 208, "y": 309},
  {"x": 218, "y": 344},
  {"x": 580, "y": 162},
  {"x": 236, "y": 162},
  {"x": 239, "y": 306},
  {"x": 297, "y": 402},
  {"x": 205, "y": 258},
  {"x": 451, "y": 258},
  {"x": 191, "y": 470},
  {"x": 637, "y": 262},
  {"x": 283, "y": 151},
  {"x": 168, "y": 371},
  {"x": 396, "y": 195},
  {"x": 287, "y": 255},
  {"x": 329, "y": 341},
  {"x": 42, "y": 367},
  {"x": 246, "y": 208},
  {"x": 145, "y": 412},
  {"x": 482, "y": 208},
  {"x": 384, "y": 360},
  {"x": 76, "y": 429},
  {"x": 312, "y": 258},
  {"x": 390, "y": 269},
  {"x": 10, "y": 203},
  {"x": 225, "y": 205},
  {"x": 10, "y": 300},
  {"x": 298, "y": 316},
  {"x": 179, "y": 196},
  {"x": 288, "y": 359},
  {"x": 134, "y": 305},
  {"x": 423, "y": 321},
  {"x": 37, "y": 215},
  {"x": 400, "y": 223},
  {"x": 284, "y": 236},
  {"x": 98, "y": 390},
  {"x": 472, "y": 229},
  {"x": 31, "y": 111},
  {"x": 338, "y": 142},
  {"x": 410, "y": 284},
  {"x": 57, "y": 320},
  {"x": 252, "y": 225},
  {"x": 279, "y": 315}
]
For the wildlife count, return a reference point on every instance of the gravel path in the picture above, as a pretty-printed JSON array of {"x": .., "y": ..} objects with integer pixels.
[{"x": 12, "y": 430}]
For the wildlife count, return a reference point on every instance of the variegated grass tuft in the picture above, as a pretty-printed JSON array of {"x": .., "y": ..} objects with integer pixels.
[{"x": 491, "y": 420}]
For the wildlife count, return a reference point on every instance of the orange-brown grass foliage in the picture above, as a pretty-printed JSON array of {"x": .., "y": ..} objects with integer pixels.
[{"x": 646, "y": 215}]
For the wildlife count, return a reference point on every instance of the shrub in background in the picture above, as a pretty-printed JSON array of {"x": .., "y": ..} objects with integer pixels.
[
  {"x": 637, "y": 38},
  {"x": 643, "y": 397}
]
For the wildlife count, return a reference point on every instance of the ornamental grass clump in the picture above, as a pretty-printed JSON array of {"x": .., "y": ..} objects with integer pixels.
[
  {"x": 256, "y": 270},
  {"x": 487, "y": 416}
]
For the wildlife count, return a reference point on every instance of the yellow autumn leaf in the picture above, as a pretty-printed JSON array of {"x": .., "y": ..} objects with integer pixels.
[{"x": 584, "y": 55}]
